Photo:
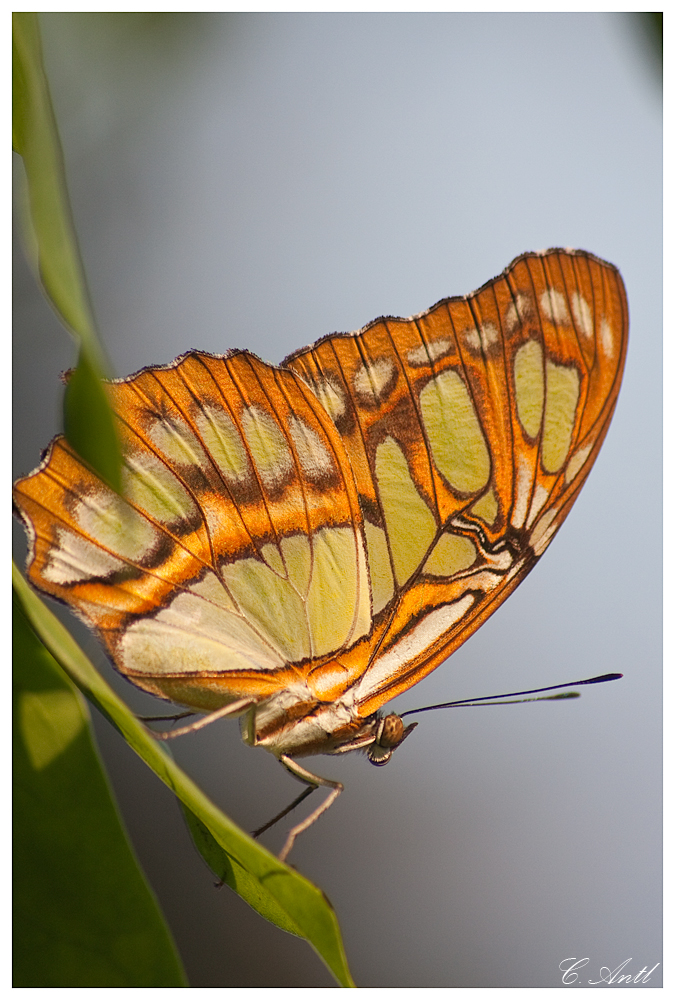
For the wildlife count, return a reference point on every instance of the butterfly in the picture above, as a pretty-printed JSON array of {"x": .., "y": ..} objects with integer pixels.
[{"x": 299, "y": 544}]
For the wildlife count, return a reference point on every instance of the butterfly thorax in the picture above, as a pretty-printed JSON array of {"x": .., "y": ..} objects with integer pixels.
[{"x": 298, "y": 726}]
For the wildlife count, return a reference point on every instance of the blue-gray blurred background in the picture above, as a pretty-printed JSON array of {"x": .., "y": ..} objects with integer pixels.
[{"x": 260, "y": 180}]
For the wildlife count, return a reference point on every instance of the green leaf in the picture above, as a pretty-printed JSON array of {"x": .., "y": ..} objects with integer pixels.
[
  {"x": 89, "y": 421},
  {"x": 84, "y": 915},
  {"x": 231, "y": 873},
  {"x": 35, "y": 138},
  {"x": 276, "y": 891}
]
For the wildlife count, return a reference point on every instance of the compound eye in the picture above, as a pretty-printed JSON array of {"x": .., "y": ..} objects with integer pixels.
[
  {"x": 390, "y": 734},
  {"x": 391, "y": 731}
]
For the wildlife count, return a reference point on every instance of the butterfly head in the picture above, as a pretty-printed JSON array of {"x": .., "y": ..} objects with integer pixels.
[{"x": 389, "y": 734}]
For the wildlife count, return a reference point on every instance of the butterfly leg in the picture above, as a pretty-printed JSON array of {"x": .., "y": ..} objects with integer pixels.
[
  {"x": 314, "y": 781},
  {"x": 166, "y": 718},
  {"x": 232, "y": 709}
]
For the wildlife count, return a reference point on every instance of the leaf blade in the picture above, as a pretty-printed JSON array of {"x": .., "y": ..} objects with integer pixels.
[
  {"x": 89, "y": 422},
  {"x": 84, "y": 913}
]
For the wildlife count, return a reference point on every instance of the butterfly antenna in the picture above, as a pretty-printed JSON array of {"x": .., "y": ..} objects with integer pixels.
[{"x": 518, "y": 694}]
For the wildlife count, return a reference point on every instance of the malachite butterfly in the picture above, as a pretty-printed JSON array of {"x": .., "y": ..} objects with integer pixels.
[{"x": 299, "y": 544}]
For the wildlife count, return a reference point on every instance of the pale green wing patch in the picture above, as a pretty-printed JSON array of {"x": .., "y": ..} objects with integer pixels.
[
  {"x": 379, "y": 565},
  {"x": 487, "y": 507},
  {"x": 194, "y": 635},
  {"x": 528, "y": 370},
  {"x": 297, "y": 558},
  {"x": 451, "y": 554},
  {"x": 272, "y": 604},
  {"x": 151, "y": 486},
  {"x": 411, "y": 526},
  {"x": 114, "y": 524},
  {"x": 334, "y": 589},
  {"x": 224, "y": 443},
  {"x": 174, "y": 439},
  {"x": 268, "y": 446},
  {"x": 562, "y": 397},
  {"x": 455, "y": 435}
]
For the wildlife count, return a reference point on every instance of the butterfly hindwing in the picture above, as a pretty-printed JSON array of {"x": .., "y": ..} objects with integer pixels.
[{"x": 237, "y": 548}]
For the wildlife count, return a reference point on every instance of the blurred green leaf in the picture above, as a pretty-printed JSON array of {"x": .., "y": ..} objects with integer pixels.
[
  {"x": 646, "y": 31},
  {"x": 35, "y": 138},
  {"x": 276, "y": 891},
  {"x": 89, "y": 422},
  {"x": 653, "y": 21},
  {"x": 84, "y": 915}
]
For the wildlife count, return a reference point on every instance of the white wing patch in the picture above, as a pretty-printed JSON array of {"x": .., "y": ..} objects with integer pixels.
[
  {"x": 313, "y": 455},
  {"x": 431, "y": 351},
  {"x": 538, "y": 500},
  {"x": 582, "y": 314},
  {"x": 576, "y": 462},
  {"x": 543, "y": 531},
  {"x": 415, "y": 642},
  {"x": 482, "y": 338},
  {"x": 517, "y": 312},
  {"x": 75, "y": 559},
  {"x": 375, "y": 379},
  {"x": 554, "y": 306},
  {"x": 331, "y": 397},
  {"x": 524, "y": 481}
]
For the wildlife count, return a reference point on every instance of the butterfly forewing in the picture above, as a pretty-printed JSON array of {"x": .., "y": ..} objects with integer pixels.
[
  {"x": 343, "y": 522},
  {"x": 475, "y": 426}
]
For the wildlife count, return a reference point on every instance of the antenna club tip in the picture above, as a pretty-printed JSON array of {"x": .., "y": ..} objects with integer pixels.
[{"x": 603, "y": 677}]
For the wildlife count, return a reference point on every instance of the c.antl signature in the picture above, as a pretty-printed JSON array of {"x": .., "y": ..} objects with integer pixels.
[{"x": 570, "y": 970}]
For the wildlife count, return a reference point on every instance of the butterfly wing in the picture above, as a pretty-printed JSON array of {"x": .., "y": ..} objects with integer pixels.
[
  {"x": 235, "y": 553},
  {"x": 334, "y": 528},
  {"x": 470, "y": 430}
]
